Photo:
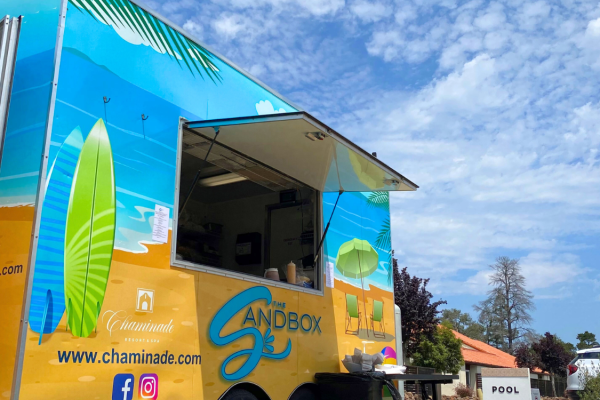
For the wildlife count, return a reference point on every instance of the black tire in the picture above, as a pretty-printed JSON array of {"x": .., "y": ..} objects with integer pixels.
[
  {"x": 239, "y": 394},
  {"x": 573, "y": 395},
  {"x": 306, "y": 393}
]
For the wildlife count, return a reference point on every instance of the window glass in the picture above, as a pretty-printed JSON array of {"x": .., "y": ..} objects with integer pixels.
[
  {"x": 589, "y": 356},
  {"x": 574, "y": 360},
  {"x": 237, "y": 214}
]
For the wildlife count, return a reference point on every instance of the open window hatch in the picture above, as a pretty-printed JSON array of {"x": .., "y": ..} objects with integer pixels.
[{"x": 250, "y": 193}]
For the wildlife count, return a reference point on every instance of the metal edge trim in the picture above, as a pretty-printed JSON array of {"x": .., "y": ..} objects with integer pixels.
[
  {"x": 182, "y": 122},
  {"x": 217, "y": 54},
  {"x": 242, "y": 277},
  {"x": 24, "y": 323},
  {"x": 9, "y": 64}
]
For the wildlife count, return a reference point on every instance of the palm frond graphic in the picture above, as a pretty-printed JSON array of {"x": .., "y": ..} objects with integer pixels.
[
  {"x": 384, "y": 238},
  {"x": 123, "y": 15},
  {"x": 384, "y": 241},
  {"x": 379, "y": 200}
]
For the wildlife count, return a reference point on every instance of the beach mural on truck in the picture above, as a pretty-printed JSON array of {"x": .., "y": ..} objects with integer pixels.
[
  {"x": 137, "y": 26},
  {"x": 128, "y": 77},
  {"x": 359, "y": 248},
  {"x": 101, "y": 96}
]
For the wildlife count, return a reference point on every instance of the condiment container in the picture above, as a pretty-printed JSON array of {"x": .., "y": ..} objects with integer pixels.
[
  {"x": 291, "y": 273},
  {"x": 272, "y": 273}
]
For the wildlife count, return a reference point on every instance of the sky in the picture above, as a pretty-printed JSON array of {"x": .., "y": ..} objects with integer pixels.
[{"x": 491, "y": 107}]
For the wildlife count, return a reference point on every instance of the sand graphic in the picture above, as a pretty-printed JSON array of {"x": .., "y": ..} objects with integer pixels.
[{"x": 15, "y": 237}]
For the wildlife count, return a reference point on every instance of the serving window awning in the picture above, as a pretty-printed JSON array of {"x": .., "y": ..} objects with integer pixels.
[{"x": 299, "y": 146}]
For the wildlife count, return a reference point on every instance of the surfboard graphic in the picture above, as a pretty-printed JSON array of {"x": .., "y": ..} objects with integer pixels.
[
  {"x": 90, "y": 232},
  {"x": 48, "y": 293}
]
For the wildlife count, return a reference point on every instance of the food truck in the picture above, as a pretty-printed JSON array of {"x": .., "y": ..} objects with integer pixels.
[{"x": 170, "y": 227}]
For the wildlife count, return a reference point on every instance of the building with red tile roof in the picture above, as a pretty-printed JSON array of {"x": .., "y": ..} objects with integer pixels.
[{"x": 479, "y": 355}]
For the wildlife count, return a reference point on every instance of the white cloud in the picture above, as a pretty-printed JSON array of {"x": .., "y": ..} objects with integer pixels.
[
  {"x": 385, "y": 44},
  {"x": 491, "y": 107},
  {"x": 264, "y": 107},
  {"x": 369, "y": 11},
  {"x": 544, "y": 270},
  {"x": 195, "y": 29},
  {"x": 229, "y": 25},
  {"x": 321, "y": 7}
]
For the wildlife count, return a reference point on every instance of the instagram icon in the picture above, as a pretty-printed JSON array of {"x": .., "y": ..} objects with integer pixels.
[{"x": 148, "y": 387}]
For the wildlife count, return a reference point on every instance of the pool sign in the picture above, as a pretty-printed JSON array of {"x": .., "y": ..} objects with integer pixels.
[{"x": 506, "y": 383}]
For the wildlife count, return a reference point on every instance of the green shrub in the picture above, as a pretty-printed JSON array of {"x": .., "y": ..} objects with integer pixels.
[{"x": 590, "y": 380}]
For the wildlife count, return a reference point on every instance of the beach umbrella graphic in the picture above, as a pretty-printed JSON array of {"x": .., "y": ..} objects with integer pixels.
[{"x": 357, "y": 259}]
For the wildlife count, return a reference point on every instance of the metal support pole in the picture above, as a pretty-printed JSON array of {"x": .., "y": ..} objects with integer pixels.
[
  {"x": 197, "y": 177},
  {"x": 327, "y": 228}
]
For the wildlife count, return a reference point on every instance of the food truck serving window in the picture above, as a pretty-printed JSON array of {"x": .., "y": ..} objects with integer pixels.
[{"x": 250, "y": 190}]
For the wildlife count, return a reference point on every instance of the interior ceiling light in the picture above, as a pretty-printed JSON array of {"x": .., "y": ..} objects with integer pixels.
[
  {"x": 224, "y": 179},
  {"x": 315, "y": 136},
  {"x": 391, "y": 182}
]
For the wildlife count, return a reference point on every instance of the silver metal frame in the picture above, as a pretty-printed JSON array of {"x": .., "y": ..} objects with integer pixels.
[
  {"x": 8, "y": 58},
  {"x": 224, "y": 272},
  {"x": 168, "y": 22},
  {"x": 41, "y": 189}
]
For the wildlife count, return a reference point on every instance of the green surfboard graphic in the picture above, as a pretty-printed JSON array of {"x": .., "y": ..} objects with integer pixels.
[{"x": 90, "y": 232}]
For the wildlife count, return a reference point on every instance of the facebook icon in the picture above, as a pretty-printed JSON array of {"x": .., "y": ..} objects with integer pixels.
[{"x": 122, "y": 387}]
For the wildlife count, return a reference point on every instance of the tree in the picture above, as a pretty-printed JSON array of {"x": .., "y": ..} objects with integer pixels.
[
  {"x": 419, "y": 315},
  {"x": 548, "y": 354},
  {"x": 442, "y": 353},
  {"x": 493, "y": 328},
  {"x": 463, "y": 323},
  {"x": 569, "y": 347},
  {"x": 508, "y": 302},
  {"x": 526, "y": 357},
  {"x": 586, "y": 340},
  {"x": 553, "y": 357},
  {"x": 476, "y": 331},
  {"x": 458, "y": 320}
]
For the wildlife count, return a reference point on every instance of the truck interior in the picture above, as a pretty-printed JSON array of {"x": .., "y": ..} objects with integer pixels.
[{"x": 249, "y": 193}]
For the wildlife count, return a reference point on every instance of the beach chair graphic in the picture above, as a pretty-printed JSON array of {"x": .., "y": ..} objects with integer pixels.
[
  {"x": 352, "y": 311},
  {"x": 377, "y": 316}
]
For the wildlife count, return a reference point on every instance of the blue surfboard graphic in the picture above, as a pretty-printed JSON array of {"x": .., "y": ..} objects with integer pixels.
[{"x": 48, "y": 293}]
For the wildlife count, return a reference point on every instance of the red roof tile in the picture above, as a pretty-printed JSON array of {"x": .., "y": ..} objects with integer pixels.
[{"x": 484, "y": 354}]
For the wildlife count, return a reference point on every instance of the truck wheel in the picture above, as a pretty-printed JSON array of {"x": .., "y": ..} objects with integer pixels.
[
  {"x": 239, "y": 394},
  {"x": 305, "y": 393}
]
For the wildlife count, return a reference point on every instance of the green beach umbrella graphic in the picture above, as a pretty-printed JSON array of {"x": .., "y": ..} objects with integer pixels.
[{"x": 357, "y": 259}]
